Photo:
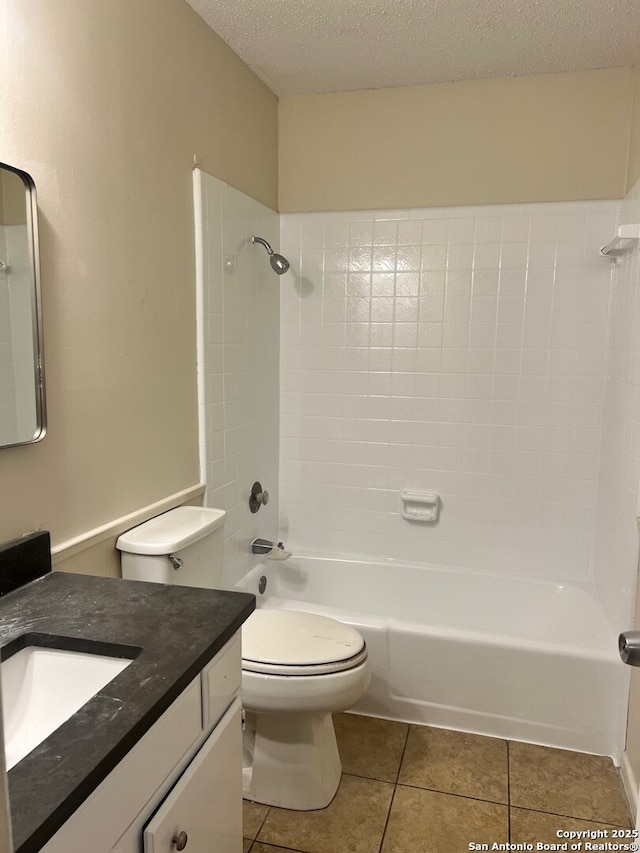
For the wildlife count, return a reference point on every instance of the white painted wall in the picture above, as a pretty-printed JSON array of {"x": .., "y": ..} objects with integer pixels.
[
  {"x": 460, "y": 350},
  {"x": 238, "y": 364}
]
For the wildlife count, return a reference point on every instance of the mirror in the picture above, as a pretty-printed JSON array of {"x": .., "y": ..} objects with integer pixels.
[{"x": 22, "y": 403}]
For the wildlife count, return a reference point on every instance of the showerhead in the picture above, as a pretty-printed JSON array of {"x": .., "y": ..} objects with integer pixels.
[{"x": 279, "y": 264}]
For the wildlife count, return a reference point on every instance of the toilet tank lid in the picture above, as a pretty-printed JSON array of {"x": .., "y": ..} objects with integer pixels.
[{"x": 171, "y": 531}]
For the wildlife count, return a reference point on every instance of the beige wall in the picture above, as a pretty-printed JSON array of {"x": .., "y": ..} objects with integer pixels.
[
  {"x": 105, "y": 103},
  {"x": 633, "y": 173},
  {"x": 551, "y": 137}
]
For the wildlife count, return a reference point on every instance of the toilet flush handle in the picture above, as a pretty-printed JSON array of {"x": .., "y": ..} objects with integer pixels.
[{"x": 176, "y": 562}]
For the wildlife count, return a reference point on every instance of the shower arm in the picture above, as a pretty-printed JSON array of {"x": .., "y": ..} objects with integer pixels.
[
  {"x": 263, "y": 242},
  {"x": 279, "y": 264}
]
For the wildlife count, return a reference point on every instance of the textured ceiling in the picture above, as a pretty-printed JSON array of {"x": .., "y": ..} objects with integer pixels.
[{"x": 300, "y": 47}]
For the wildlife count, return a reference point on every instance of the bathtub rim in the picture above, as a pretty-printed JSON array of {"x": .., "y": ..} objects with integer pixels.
[
  {"x": 496, "y": 639},
  {"x": 587, "y": 586}
]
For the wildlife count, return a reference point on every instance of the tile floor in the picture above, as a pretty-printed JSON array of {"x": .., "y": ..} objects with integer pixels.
[{"x": 413, "y": 789}]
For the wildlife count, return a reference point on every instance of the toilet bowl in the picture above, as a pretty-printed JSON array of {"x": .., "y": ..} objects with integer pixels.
[{"x": 297, "y": 668}]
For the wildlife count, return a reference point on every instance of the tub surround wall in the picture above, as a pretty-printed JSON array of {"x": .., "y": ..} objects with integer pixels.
[
  {"x": 238, "y": 363},
  {"x": 459, "y": 350},
  {"x": 549, "y": 137},
  {"x": 616, "y": 553},
  {"x": 616, "y": 544}
]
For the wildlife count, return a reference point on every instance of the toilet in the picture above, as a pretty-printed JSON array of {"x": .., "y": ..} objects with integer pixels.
[{"x": 297, "y": 668}]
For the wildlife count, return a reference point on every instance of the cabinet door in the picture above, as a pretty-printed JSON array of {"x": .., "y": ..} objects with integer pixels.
[
  {"x": 206, "y": 802},
  {"x": 116, "y": 803}
]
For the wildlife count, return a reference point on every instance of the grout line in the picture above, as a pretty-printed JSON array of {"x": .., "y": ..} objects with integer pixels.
[
  {"x": 275, "y": 847},
  {"x": 370, "y": 778},
  {"x": 572, "y": 817},
  {"x": 262, "y": 822},
  {"x": 451, "y": 794},
  {"x": 386, "y": 823},
  {"x": 404, "y": 749},
  {"x": 508, "y": 793},
  {"x": 266, "y": 815},
  {"x": 395, "y": 788}
]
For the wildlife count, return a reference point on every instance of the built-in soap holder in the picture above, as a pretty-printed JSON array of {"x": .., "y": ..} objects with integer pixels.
[
  {"x": 420, "y": 506},
  {"x": 626, "y": 241}
]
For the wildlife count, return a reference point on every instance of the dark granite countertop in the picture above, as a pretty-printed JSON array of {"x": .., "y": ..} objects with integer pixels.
[{"x": 178, "y": 630}]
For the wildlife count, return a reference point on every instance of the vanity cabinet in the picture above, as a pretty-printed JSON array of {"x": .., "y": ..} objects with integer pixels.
[
  {"x": 200, "y": 809},
  {"x": 181, "y": 784}
]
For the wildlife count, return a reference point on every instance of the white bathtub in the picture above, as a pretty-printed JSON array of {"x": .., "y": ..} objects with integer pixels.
[{"x": 513, "y": 658}]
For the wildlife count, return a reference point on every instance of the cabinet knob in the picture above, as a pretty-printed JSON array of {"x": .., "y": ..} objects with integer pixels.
[{"x": 180, "y": 841}]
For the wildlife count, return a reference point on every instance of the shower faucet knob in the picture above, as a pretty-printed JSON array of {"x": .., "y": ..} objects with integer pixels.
[{"x": 258, "y": 497}]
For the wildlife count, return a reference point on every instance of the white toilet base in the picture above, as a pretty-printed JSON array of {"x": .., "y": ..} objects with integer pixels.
[{"x": 290, "y": 760}]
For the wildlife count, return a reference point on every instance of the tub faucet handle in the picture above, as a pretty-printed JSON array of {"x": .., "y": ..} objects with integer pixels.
[{"x": 258, "y": 497}]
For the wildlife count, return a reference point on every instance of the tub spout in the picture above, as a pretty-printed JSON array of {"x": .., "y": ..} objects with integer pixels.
[
  {"x": 273, "y": 550},
  {"x": 261, "y": 546}
]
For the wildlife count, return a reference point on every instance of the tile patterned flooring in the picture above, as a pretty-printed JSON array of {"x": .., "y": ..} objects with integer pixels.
[{"x": 413, "y": 789}]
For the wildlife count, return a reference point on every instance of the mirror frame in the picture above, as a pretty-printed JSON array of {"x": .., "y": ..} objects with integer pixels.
[{"x": 31, "y": 206}]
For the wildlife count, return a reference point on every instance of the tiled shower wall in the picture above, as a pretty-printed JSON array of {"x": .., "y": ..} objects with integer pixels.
[
  {"x": 460, "y": 351},
  {"x": 238, "y": 363},
  {"x": 616, "y": 551}
]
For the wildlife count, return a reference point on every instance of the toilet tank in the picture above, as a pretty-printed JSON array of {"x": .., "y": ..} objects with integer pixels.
[{"x": 183, "y": 546}]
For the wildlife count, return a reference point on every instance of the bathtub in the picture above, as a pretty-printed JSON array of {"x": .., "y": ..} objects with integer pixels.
[{"x": 480, "y": 652}]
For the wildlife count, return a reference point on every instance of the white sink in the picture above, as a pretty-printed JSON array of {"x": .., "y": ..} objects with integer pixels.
[{"x": 42, "y": 687}]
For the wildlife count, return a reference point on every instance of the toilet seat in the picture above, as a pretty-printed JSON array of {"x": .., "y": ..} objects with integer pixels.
[{"x": 289, "y": 643}]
